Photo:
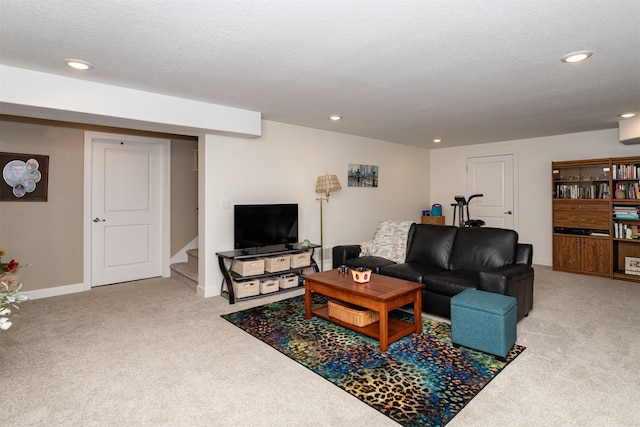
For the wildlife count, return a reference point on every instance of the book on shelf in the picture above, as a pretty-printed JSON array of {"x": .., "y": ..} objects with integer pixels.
[
  {"x": 625, "y": 231},
  {"x": 578, "y": 191},
  {"x": 626, "y": 212},
  {"x": 628, "y": 171},
  {"x": 631, "y": 190}
]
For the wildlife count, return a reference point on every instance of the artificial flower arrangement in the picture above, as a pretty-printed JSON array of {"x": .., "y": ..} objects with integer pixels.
[{"x": 10, "y": 295}]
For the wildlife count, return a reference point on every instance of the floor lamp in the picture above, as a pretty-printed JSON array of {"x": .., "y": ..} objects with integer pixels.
[{"x": 325, "y": 184}]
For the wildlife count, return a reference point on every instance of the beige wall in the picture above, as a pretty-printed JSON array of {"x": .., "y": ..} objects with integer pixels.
[{"x": 49, "y": 235}]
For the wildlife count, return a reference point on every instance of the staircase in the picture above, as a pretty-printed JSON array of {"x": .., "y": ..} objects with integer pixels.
[{"x": 187, "y": 272}]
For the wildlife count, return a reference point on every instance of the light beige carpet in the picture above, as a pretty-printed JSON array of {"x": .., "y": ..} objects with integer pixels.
[{"x": 152, "y": 353}]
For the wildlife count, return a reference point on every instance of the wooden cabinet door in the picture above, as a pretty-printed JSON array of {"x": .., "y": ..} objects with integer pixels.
[
  {"x": 581, "y": 214},
  {"x": 566, "y": 252},
  {"x": 586, "y": 254},
  {"x": 595, "y": 255}
]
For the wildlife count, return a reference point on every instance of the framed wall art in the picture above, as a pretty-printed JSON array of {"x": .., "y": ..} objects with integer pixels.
[
  {"x": 24, "y": 177},
  {"x": 362, "y": 175}
]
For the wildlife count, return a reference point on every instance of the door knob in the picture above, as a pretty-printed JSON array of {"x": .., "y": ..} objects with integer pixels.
[
  {"x": 96, "y": 219},
  {"x": 508, "y": 212}
]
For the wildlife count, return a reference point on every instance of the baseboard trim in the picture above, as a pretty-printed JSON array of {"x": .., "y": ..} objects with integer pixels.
[
  {"x": 203, "y": 292},
  {"x": 542, "y": 261},
  {"x": 55, "y": 291}
]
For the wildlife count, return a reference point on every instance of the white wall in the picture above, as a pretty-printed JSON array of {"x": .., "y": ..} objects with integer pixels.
[
  {"x": 53, "y": 97},
  {"x": 533, "y": 174},
  {"x": 282, "y": 167}
]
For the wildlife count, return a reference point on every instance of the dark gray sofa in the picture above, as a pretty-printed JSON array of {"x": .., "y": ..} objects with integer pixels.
[{"x": 448, "y": 260}]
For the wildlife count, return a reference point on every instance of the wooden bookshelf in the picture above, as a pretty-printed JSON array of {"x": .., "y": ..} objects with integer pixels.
[{"x": 595, "y": 216}]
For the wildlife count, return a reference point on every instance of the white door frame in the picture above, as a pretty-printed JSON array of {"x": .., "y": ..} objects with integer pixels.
[
  {"x": 166, "y": 195},
  {"x": 514, "y": 156}
]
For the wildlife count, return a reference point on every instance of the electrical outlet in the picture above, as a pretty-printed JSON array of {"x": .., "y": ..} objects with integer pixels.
[{"x": 225, "y": 204}]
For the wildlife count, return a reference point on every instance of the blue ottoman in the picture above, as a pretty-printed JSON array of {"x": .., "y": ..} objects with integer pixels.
[{"x": 484, "y": 321}]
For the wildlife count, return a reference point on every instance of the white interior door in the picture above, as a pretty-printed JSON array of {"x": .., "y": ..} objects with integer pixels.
[
  {"x": 127, "y": 186},
  {"x": 492, "y": 176}
]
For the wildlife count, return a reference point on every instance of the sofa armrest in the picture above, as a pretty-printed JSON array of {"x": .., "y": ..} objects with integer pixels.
[
  {"x": 515, "y": 280},
  {"x": 524, "y": 253},
  {"x": 498, "y": 279},
  {"x": 344, "y": 252}
]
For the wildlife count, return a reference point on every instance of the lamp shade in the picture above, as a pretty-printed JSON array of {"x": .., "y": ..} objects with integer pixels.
[{"x": 327, "y": 183}]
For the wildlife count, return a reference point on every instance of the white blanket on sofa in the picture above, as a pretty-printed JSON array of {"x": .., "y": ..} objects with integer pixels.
[{"x": 389, "y": 241}]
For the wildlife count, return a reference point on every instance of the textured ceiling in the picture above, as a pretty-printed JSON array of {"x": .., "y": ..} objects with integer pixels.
[{"x": 403, "y": 71}]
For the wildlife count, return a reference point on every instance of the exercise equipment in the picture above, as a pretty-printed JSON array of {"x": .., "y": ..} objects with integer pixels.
[{"x": 459, "y": 205}]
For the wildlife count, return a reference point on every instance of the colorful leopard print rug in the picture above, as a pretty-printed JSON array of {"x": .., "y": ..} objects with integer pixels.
[{"x": 422, "y": 380}]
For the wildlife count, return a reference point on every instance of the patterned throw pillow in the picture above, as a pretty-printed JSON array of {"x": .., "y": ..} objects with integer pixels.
[{"x": 389, "y": 241}]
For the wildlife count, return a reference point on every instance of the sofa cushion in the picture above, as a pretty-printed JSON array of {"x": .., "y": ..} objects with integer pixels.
[
  {"x": 451, "y": 283},
  {"x": 483, "y": 248},
  {"x": 389, "y": 241},
  {"x": 432, "y": 244},
  {"x": 409, "y": 271}
]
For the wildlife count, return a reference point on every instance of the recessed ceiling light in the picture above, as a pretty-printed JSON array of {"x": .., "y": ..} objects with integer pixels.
[
  {"x": 627, "y": 115},
  {"x": 578, "y": 56},
  {"x": 78, "y": 64},
  {"x": 335, "y": 117},
  {"x": 437, "y": 141}
]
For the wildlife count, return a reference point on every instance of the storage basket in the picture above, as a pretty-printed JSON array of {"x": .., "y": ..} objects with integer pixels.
[
  {"x": 275, "y": 264},
  {"x": 268, "y": 285},
  {"x": 352, "y": 314},
  {"x": 249, "y": 267},
  {"x": 288, "y": 281},
  {"x": 301, "y": 259},
  {"x": 247, "y": 288}
]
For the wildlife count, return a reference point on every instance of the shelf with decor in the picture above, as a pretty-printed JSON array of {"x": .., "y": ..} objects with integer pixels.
[
  {"x": 581, "y": 180},
  {"x": 263, "y": 271},
  {"x": 626, "y": 253},
  {"x": 626, "y": 218}
]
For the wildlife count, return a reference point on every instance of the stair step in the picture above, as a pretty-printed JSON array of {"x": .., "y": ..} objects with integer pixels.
[
  {"x": 192, "y": 258},
  {"x": 185, "y": 273},
  {"x": 193, "y": 253}
]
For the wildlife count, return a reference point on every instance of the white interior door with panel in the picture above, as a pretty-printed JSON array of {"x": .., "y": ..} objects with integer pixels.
[
  {"x": 492, "y": 176},
  {"x": 127, "y": 221}
]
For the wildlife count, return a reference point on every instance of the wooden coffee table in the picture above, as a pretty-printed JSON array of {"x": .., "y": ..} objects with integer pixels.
[{"x": 381, "y": 294}]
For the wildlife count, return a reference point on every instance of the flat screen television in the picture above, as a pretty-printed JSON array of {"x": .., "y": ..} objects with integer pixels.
[{"x": 265, "y": 225}]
